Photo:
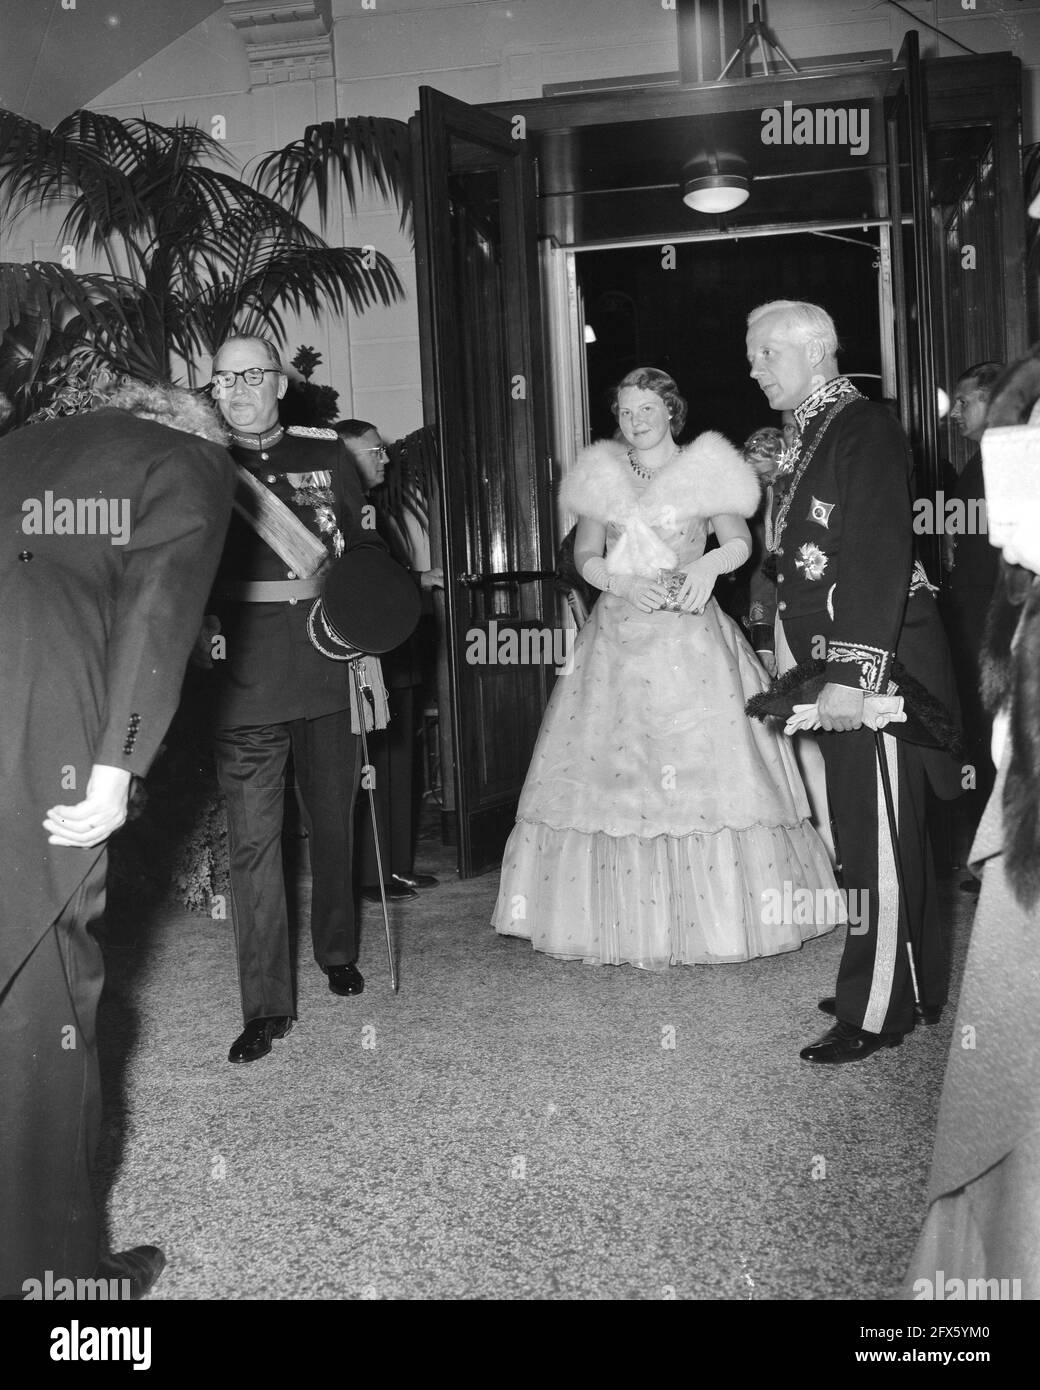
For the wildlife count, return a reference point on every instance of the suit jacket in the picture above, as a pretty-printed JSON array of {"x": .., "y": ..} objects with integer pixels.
[
  {"x": 402, "y": 667},
  {"x": 848, "y": 587},
  {"x": 110, "y": 531},
  {"x": 271, "y": 672},
  {"x": 975, "y": 562}
]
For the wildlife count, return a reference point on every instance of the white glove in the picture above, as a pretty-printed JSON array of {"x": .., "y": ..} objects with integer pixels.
[
  {"x": 644, "y": 594},
  {"x": 701, "y": 575},
  {"x": 878, "y": 710}
]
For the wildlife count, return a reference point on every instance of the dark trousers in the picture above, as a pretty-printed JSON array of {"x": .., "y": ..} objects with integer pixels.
[
  {"x": 391, "y": 752},
  {"x": 875, "y": 990},
  {"x": 965, "y": 615},
  {"x": 251, "y": 766},
  {"x": 50, "y": 1099}
]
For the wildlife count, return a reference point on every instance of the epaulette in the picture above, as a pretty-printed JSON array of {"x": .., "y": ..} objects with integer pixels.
[{"x": 311, "y": 432}]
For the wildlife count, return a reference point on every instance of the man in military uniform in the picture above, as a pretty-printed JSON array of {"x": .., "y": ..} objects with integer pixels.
[
  {"x": 851, "y": 594},
  {"x": 112, "y": 528},
  {"x": 276, "y": 691}
]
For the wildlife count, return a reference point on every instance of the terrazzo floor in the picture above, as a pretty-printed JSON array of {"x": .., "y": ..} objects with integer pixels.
[{"x": 508, "y": 1126}]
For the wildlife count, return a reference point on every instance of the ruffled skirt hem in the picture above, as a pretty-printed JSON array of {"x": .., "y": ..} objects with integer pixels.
[{"x": 699, "y": 899}]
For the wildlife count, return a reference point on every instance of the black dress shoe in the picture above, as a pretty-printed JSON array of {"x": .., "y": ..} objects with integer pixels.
[
  {"x": 140, "y": 1267},
  {"x": 416, "y": 880},
  {"x": 255, "y": 1039},
  {"x": 923, "y": 1013},
  {"x": 393, "y": 890},
  {"x": 344, "y": 979},
  {"x": 846, "y": 1043}
]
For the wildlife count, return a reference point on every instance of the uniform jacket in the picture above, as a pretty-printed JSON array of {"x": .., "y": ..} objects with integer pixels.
[
  {"x": 110, "y": 531},
  {"x": 270, "y": 672},
  {"x": 848, "y": 588}
]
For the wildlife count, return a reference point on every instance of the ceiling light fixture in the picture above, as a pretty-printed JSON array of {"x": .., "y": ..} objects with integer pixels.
[{"x": 715, "y": 184}]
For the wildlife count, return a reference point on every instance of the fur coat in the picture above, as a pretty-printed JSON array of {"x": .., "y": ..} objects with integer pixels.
[{"x": 707, "y": 478}]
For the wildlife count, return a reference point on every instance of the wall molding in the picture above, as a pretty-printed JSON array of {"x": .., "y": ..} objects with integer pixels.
[{"x": 284, "y": 41}]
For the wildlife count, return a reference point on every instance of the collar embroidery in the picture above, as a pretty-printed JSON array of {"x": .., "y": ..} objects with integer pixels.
[
  {"x": 267, "y": 440},
  {"x": 819, "y": 400}
]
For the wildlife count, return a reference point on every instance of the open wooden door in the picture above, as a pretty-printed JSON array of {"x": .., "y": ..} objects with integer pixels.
[
  {"x": 953, "y": 130},
  {"x": 906, "y": 138},
  {"x": 477, "y": 265}
]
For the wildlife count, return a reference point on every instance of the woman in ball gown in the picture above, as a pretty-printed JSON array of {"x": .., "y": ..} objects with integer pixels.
[{"x": 658, "y": 824}]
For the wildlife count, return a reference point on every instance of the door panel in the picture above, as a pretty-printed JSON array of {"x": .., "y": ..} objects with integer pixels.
[
  {"x": 476, "y": 253},
  {"x": 910, "y": 213},
  {"x": 953, "y": 129}
]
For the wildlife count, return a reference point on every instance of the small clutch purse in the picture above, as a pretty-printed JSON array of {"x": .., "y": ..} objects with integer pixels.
[{"x": 673, "y": 580}]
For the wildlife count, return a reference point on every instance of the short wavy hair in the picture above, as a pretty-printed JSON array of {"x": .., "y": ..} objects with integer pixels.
[
  {"x": 353, "y": 429},
  {"x": 982, "y": 375},
  {"x": 653, "y": 379},
  {"x": 809, "y": 323}
]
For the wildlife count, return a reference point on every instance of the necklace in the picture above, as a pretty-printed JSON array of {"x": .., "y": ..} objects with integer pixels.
[{"x": 641, "y": 470}]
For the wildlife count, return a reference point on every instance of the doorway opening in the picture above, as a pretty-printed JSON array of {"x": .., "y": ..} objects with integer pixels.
[{"x": 683, "y": 307}]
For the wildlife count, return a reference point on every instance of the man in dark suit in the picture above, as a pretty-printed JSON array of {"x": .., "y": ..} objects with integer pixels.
[
  {"x": 971, "y": 564},
  {"x": 851, "y": 595},
  {"x": 274, "y": 690},
  {"x": 111, "y": 529},
  {"x": 392, "y": 750}
]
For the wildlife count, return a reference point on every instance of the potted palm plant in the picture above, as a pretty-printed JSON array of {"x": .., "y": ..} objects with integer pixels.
[{"x": 193, "y": 251}]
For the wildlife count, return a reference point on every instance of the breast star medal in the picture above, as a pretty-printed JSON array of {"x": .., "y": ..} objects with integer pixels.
[
  {"x": 811, "y": 560},
  {"x": 821, "y": 512}
]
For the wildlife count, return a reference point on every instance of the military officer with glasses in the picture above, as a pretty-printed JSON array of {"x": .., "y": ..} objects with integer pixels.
[{"x": 272, "y": 691}]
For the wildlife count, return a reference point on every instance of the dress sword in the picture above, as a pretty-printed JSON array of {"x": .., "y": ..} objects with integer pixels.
[{"x": 364, "y": 695}]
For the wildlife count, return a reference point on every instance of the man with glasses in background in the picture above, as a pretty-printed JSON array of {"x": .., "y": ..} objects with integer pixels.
[{"x": 273, "y": 690}]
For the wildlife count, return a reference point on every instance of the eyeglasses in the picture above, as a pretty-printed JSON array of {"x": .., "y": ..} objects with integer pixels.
[
  {"x": 252, "y": 376},
  {"x": 381, "y": 451}
]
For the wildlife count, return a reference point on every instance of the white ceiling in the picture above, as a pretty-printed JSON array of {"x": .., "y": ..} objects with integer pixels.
[{"x": 56, "y": 57}]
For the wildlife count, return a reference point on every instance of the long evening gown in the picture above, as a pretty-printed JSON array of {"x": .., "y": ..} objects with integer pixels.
[{"x": 658, "y": 824}]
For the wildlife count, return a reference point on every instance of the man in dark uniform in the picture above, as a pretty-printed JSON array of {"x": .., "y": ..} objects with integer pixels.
[
  {"x": 112, "y": 528},
  {"x": 851, "y": 594},
  {"x": 276, "y": 691}
]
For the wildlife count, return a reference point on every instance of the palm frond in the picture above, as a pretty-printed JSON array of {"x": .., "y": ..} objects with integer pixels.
[
  {"x": 104, "y": 310},
  {"x": 364, "y": 150},
  {"x": 300, "y": 278},
  {"x": 39, "y": 166},
  {"x": 411, "y": 476},
  {"x": 207, "y": 253}
]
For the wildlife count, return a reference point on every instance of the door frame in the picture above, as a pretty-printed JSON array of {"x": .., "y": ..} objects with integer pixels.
[
  {"x": 482, "y": 816},
  {"x": 565, "y": 323}
]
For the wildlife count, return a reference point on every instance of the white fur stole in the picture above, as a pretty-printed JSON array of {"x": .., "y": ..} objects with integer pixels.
[{"x": 707, "y": 478}]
